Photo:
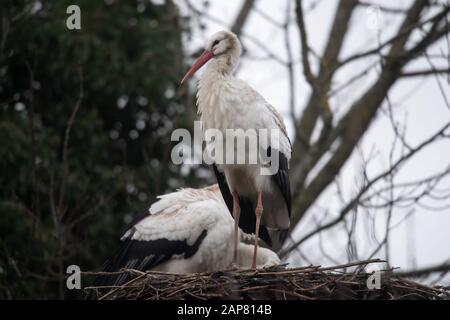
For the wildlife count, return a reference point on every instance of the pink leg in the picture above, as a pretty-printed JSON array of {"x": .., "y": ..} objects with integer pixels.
[
  {"x": 236, "y": 215},
  {"x": 258, "y": 213}
]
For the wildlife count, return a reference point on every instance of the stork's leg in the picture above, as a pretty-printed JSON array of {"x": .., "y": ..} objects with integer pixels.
[
  {"x": 236, "y": 215},
  {"x": 258, "y": 213}
]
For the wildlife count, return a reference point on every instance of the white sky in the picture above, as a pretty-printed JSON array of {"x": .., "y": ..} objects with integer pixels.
[{"x": 418, "y": 100}]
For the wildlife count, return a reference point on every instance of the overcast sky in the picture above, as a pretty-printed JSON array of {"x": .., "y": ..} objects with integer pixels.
[{"x": 419, "y": 101}]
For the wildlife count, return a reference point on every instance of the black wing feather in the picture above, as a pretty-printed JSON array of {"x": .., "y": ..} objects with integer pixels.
[
  {"x": 247, "y": 220},
  {"x": 281, "y": 178},
  {"x": 144, "y": 255}
]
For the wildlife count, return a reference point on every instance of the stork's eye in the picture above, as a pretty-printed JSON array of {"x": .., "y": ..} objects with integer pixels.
[{"x": 216, "y": 42}]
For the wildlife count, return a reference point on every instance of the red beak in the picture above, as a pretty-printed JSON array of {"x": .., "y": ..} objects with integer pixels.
[{"x": 204, "y": 58}]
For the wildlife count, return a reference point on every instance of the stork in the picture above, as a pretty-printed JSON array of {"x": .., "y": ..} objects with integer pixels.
[
  {"x": 186, "y": 231},
  {"x": 225, "y": 102}
]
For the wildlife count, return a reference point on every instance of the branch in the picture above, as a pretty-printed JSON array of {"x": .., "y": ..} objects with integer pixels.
[
  {"x": 65, "y": 170},
  {"x": 353, "y": 203},
  {"x": 241, "y": 18},
  {"x": 323, "y": 105},
  {"x": 399, "y": 40},
  {"x": 289, "y": 62},
  {"x": 305, "y": 125},
  {"x": 269, "y": 19},
  {"x": 35, "y": 206},
  {"x": 255, "y": 40},
  {"x": 426, "y": 72},
  {"x": 354, "y": 124},
  {"x": 305, "y": 47},
  {"x": 442, "y": 268},
  {"x": 382, "y": 8}
]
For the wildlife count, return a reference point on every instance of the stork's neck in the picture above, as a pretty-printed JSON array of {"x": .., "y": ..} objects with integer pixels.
[
  {"x": 219, "y": 68},
  {"x": 218, "y": 73}
]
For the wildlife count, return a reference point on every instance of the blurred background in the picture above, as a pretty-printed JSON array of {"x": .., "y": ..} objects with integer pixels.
[{"x": 87, "y": 115}]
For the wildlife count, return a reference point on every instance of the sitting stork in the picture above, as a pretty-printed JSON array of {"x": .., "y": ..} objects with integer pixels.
[
  {"x": 225, "y": 102},
  {"x": 187, "y": 231}
]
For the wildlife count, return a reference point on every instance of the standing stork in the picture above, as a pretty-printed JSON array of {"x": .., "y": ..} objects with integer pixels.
[
  {"x": 186, "y": 231},
  {"x": 225, "y": 102}
]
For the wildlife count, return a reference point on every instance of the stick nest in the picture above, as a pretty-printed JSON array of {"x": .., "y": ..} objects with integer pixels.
[{"x": 306, "y": 283}]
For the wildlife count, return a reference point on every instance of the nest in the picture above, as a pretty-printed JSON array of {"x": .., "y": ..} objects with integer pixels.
[{"x": 306, "y": 283}]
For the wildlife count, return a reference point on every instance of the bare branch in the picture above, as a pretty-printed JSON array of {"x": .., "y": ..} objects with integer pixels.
[
  {"x": 270, "y": 54},
  {"x": 416, "y": 273},
  {"x": 305, "y": 125},
  {"x": 382, "y": 8},
  {"x": 241, "y": 19},
  {"x": 305, "y": 47},
  {"x": 65, "y": 169},
  {"x": 354, "y": 124},
  {"x": 290, "y": 62},
  {"x": 425, "y": 72},
  {"x": 354, "y": 202}
]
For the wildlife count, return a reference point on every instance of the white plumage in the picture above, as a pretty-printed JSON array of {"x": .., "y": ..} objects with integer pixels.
[
  {"x": 225, "y": 102},
  {"x": 187, "y": 231},
  {"x": 184, "y": 215}
]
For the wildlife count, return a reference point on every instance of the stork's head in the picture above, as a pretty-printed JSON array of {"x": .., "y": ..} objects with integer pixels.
[{"x": 224, "y": 48}]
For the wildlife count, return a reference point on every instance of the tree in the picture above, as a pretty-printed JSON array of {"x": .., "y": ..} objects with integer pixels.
[
  {"x": 327, "y": 134},
  {"x": 85, "y": 116}
]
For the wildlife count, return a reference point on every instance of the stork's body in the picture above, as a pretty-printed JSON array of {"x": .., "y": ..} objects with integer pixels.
[
  {"x": 187, "y": 231},
  {"x": 229, "y": 103}
]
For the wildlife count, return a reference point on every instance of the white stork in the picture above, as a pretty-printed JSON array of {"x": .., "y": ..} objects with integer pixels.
[
  {"x": 225, "y": 102},
  {"x": 187, "y": 231}
]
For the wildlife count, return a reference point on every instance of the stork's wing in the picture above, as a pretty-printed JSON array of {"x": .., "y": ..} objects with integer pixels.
[
  {"x": 175, "y": 229},
  {"x": 247, "y": 220},
  {"x": 145, "y": 255},
  {"x": 281, "y": 178},
  {"x": 280, "y": 124},
  {"x": 267, "y": 114}
]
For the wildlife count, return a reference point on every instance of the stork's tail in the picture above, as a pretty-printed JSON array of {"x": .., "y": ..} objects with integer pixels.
[{"x": 278, "y": 237}]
